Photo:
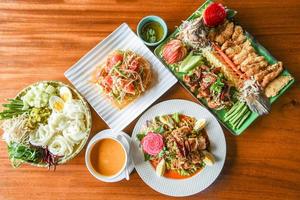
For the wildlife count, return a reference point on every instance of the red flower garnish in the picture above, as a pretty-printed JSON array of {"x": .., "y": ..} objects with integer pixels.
[
  {"x": 152, "y": 143},
  {"x": 174, "y": 51},
  {"x": 214, "y": 15}
]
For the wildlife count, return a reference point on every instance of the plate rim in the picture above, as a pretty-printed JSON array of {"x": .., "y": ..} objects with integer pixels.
[
  {"x": 86, "y": 57},
  {"x": 221, "y": 135}
]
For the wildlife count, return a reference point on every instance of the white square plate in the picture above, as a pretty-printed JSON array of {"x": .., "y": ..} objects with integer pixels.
[{"x": 80, "y": 76}]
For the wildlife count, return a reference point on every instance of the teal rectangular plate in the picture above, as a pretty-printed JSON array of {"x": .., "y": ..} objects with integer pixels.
[{"x": 220, "y": 114}]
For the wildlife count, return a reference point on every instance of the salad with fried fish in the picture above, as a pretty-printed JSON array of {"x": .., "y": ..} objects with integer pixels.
[
  {"x": 123, "y": 77},
  {"x": 47, "y": 124},
  {"x": 176, "y": 145}
]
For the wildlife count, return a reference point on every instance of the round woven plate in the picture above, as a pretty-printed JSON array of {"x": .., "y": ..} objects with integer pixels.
[
  {"x": 88, "y": 121},
  {"x": 201, "y": 180}
]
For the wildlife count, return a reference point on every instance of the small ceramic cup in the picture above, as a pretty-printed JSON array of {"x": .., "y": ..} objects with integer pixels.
[
  {"x": 152, "y": 18},
  {"x": 126, "y": 147}
]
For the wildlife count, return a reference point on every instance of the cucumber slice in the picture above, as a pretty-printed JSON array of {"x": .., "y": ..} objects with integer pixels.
[{"x": 190, "y": 62}]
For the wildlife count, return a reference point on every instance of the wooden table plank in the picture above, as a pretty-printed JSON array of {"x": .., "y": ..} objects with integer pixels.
[{"x": 39, "y": 40}]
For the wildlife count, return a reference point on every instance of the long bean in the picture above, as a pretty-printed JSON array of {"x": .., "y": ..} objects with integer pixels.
[
  {"x": 237, "y": 116},
  {"x": 240, "y": 106},
  {"x": 13, "y": 108},
  {"x": 231, "y": 109},
  {"x": 248, "y": 113}
]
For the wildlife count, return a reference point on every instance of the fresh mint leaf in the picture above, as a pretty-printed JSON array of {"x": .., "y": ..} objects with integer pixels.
[
  {"x": 140, "y": 136},
  {"x": 146, "y": 157}
]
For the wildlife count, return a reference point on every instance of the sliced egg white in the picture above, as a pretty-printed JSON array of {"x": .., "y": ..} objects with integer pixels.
[
  {"x": 56, "y": 103},
  {"x": 65, "y": 93}
]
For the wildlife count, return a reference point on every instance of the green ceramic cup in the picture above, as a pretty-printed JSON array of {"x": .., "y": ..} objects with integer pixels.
[{"x": 152, "y": 18}]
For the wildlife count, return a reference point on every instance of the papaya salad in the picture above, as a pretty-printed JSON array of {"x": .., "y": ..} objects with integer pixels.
[
  {"x": 176, "y": 145},
  {"x": 123, "y": 77},
  {"x": 219, "y": 63}
]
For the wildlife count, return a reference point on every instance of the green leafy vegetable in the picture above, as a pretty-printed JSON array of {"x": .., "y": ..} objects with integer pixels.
[
  {"x": 140, "y": 136},
  {"x": 18, "y": 151},
  {"x": 230, "y": 13},
  {"x": 146, "y": 157},
  {"x": 217, "y": 86}
]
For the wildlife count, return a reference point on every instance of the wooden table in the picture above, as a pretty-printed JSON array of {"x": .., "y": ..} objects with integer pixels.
[{"x": 41, "y": 40}]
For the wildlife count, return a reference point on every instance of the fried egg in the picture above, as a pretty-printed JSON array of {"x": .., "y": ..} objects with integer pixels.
[
  {"x": 65, "y": 93},
  {"x": 56, "y": 103}
]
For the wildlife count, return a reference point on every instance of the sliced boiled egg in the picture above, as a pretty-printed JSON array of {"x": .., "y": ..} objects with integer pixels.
[
  {"x": 65, "y": 93},
  {"x": 56, "y": 103}
]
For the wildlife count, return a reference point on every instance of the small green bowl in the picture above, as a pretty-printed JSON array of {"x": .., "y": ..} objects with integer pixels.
[{"x": 152, "y": 18}]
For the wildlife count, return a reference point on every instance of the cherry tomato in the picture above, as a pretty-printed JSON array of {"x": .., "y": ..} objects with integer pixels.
[
  {"x": 108, "y": 80},
  {"x": 134, "y": 65},
  {"x": 129, "y": 88},
  {"x": 114, "y": 59}
]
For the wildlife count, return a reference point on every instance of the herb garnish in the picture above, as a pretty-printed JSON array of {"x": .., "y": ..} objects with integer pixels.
[{"x": 151, "y": 35}]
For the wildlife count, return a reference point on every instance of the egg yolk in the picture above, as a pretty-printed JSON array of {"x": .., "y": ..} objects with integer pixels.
[
  {"x": 65, "y": 97},
  {"x": 58, "y": 106}
]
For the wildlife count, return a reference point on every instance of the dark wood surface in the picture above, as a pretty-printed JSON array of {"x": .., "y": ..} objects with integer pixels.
[{"x": 39, "y": 40}]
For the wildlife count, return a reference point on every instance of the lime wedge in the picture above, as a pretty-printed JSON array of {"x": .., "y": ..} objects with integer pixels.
[{"x": 160, "y": 168}]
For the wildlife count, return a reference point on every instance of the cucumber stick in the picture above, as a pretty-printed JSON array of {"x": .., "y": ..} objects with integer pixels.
[{"x": 190, "y": 62}]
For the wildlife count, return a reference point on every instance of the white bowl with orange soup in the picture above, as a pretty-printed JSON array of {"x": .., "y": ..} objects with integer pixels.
[{"x": 107, "y": 156}]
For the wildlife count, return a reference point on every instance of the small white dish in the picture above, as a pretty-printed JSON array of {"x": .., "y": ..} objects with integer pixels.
[
  {"x": 124, "y": 140},
  {"x": 81, "y": 74},
  {"x": 201, "y": 180}
]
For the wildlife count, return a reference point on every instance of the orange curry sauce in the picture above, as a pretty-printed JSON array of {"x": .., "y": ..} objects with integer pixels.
[{"x": 172, "y": 174}]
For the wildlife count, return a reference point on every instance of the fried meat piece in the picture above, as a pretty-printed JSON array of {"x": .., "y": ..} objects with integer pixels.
[
  {"x": 268, "y": 74},
  {"x": 276, "y": 85},
  {"x": 246, "y": 50},
  {"x": 276, "y": 69},
  {"x": 225, "y": 34}
]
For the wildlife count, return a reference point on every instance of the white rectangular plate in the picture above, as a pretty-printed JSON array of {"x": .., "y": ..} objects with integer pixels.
[{"x": 80, "y": 76}]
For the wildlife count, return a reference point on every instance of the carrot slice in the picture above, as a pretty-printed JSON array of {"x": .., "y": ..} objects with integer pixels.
[{"x": 227, "y": 60}]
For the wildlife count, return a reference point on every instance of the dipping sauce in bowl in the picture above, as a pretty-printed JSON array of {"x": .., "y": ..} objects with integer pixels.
[
  {"x": 152, "y": 30},
  {"x": 108, "y": 157}
]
